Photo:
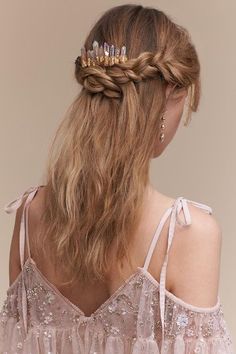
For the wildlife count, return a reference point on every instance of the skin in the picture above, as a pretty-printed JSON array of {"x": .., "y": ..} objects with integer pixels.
[
  {"x": 194, "y": 257},
  {"x": 173, "y": 113}
]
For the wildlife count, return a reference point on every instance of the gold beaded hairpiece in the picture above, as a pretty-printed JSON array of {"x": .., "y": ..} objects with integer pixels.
[{"x": 105, "y": 55}]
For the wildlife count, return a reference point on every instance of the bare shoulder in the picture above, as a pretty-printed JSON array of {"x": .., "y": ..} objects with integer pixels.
[
  {"x": 14, "y": 254},
  {"x": 194, "y": 259},
  {"x": 35, "y": 213},
  {"x": 37, "y": 203}
]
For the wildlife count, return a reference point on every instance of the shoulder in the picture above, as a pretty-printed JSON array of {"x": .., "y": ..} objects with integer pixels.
[
  {"x": 37, "y": 203},
  {"x": 195, "y": 258},
  {"x": 14, "y": 254},
  {"x": 204, "y": 229},
  {"x": 204, "y": 226}
]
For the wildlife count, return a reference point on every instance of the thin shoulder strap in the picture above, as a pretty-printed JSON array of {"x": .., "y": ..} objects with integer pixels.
[
  {"x": 156, "y": 237},
  {"x": 9, "y": 208},
  {"x": 179, "y": 204},
  {"x": 14, "y": 205}
]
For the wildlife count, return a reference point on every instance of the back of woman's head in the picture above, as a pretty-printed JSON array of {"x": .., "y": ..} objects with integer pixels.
[{"x": 98, "y": 166}]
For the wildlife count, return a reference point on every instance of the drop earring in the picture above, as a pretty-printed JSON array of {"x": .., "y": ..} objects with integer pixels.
[{"x": 162, "y": 127}]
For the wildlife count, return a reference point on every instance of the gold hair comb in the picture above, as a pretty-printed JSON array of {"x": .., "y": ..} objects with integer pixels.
[{"x": 105, "y": 55}]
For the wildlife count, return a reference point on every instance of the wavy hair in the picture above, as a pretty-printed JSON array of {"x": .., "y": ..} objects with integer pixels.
[{"x": 98, "y": 164}]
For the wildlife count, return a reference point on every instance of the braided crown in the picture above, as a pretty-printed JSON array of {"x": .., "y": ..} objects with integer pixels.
[
  {"x": 103, "y": 55},
  {"x": 103, "y": 76}
]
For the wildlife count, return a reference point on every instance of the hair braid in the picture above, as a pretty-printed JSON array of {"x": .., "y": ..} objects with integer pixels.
[{"x": 147, "y": 65}]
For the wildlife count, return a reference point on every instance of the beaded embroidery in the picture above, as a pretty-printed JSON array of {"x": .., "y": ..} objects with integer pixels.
[
  {"x": 128, "y": 322},
  {"x": 125, "y": 313}
]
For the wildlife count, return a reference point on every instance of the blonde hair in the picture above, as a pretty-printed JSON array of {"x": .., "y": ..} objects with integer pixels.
[{"x": 98, "y": 163}]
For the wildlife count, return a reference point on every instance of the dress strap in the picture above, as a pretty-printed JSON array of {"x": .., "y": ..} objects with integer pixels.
[
  {"x": 9, "y": 208},
  {"x": 14, "y": 205},
  {"x": 156, "y": 237},
  {"x": 162, "y": 223},
  {"x": 179, "y": 204}
]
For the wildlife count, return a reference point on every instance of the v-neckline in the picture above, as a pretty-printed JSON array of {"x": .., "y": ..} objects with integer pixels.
[
  {"x": 56, "y": 291},
  {"x": 110, "y": 298},
  {"x": 76, "y": 307},
  {"x": 116, "y": 292},
  {"x": 139, "y": 270}
]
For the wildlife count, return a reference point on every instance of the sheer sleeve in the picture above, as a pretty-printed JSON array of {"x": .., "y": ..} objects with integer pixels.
[{"x": 192, "y": 329}]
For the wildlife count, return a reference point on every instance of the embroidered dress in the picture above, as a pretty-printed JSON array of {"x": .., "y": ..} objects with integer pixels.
[{"x": 141, "y": 316}]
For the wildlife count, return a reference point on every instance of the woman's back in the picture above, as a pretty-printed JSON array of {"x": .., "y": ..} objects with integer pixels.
[
  {"x": 155, "y": 205},
  {"x": 128, "y": 316}
]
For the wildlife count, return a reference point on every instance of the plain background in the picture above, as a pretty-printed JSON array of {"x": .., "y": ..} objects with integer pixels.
[{"x": 40, "y": 41}]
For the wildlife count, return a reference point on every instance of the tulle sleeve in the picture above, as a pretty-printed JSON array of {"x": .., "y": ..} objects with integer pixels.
[{"x": 194, "y": 330}]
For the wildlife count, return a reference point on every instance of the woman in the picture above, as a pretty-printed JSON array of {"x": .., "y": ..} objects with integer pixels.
[{"x": 90, "y": 246}]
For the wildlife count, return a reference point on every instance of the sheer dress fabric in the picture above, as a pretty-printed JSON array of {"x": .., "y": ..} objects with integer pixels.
[{"x": 141, "y": 316}]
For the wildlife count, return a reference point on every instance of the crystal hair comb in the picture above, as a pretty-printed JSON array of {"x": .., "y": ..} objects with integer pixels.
[{"x": 105, "y": 55}]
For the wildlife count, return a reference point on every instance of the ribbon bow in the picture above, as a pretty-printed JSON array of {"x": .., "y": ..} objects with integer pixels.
[{"x": 180, "y": 203}]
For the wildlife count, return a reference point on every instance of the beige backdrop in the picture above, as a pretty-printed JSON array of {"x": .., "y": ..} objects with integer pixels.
[{"x": 39, "y": 43}]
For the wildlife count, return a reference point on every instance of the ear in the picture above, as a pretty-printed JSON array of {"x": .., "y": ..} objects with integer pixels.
[
  {"x": 173, "y": 92},
  {"x": 169, "y": 88}
]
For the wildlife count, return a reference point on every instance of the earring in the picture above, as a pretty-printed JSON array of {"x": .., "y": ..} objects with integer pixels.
[{"x": 162, "y": 127}]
